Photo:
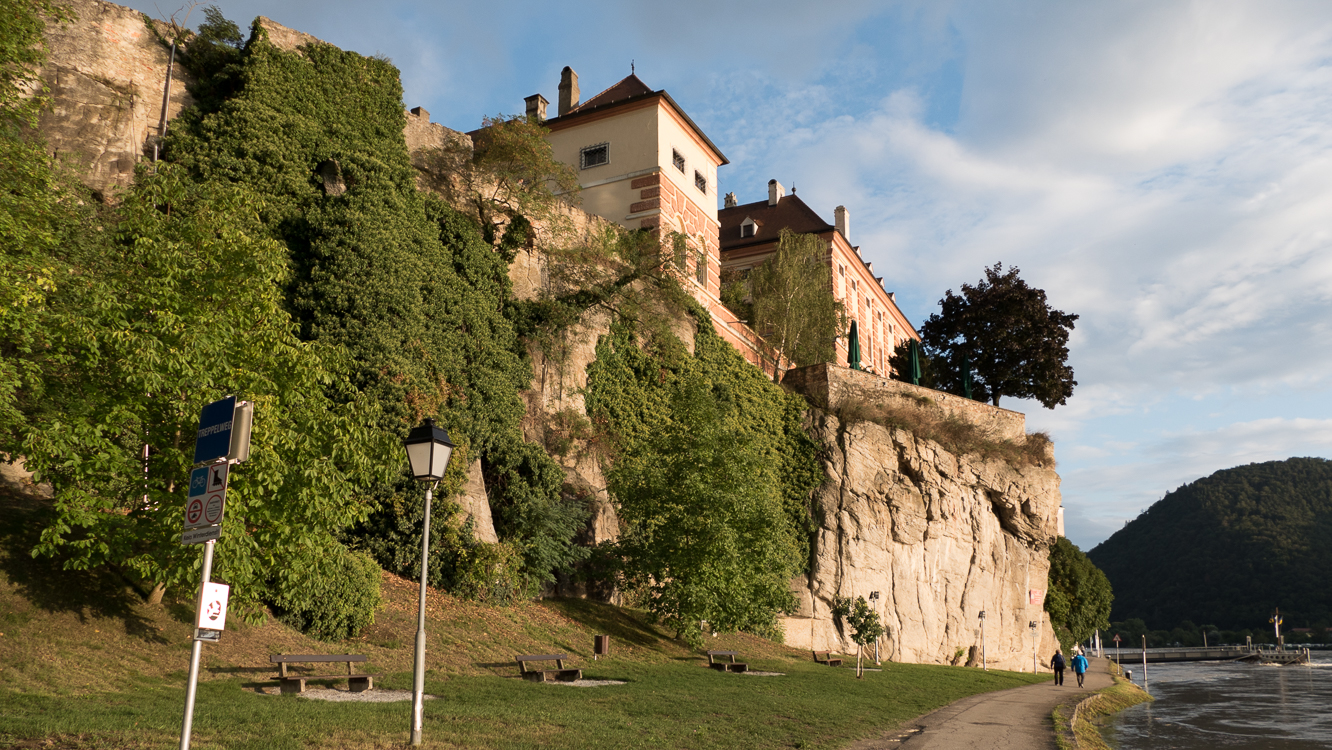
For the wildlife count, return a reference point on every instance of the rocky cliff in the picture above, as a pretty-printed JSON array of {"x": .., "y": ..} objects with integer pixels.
[{"x": 941, "y": 537}]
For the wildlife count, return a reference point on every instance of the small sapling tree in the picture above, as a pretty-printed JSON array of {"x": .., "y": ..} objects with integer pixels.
[{"x": 863, "y": 622}]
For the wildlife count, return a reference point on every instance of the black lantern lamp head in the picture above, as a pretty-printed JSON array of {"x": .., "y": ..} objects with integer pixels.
[{"x": 428, "y": 451}]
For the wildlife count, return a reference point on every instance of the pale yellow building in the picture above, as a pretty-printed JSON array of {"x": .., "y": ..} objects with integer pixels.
[{"x": 644, "y": 164}]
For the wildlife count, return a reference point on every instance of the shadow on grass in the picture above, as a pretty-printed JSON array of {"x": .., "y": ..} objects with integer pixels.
[
  {"x": 619, "y": 624},
  {"x": 45, "y": 583}
]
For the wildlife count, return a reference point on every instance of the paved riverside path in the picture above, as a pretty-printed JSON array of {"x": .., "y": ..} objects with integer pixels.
[{"x": 1013, "y": 719}]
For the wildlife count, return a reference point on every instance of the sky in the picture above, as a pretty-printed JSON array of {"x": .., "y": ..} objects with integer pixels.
[{"x": 1161, "y": 169}]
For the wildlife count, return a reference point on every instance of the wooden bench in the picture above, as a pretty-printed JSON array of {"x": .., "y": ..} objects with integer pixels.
[
  {"x": 295, "y": 683},
  {"x": 546, "y": 675},
  {"x": 731, "y": 666},
  {"x": 825, "y": 657}
]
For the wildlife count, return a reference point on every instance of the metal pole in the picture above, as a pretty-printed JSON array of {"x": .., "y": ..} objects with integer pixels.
[
  {"x": 985, "y": 664},
  {"x": 1144, "y": 665},
  {"x": 418, "y": 683},
  {"x": 190, "y": 688}
]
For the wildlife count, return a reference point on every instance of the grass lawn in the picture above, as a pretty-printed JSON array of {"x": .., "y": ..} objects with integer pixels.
[
  {"x": 663, "y": 705},
  {"x": 85, "y": 662}
]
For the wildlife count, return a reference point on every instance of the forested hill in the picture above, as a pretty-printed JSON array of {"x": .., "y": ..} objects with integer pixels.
[{"x": 1227, "y": 549}]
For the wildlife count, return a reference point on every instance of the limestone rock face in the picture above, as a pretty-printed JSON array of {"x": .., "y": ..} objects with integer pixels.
[
  {"x": 940, "y": 537},
  {"x": 107, "y": 79}
]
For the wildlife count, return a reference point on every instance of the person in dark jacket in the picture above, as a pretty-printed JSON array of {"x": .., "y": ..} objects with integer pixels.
[
  {"x": 1079, "y": 666},
  {"x": 1057, "y": 664}
]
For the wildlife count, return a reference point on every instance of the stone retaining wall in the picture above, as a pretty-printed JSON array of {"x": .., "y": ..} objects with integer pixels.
[{"x": 831, "y": 387}]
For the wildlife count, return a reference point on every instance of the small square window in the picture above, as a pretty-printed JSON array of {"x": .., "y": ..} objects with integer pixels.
[
  {"x": 747, "y": 229},
  {"x": 595, "y": 156},
  {"x": 701, "y": 270},
  {"x": 700, "y": 181},
  {"x": 678, "y": 160}
]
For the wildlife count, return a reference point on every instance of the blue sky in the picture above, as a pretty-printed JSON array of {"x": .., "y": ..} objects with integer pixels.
[{"x": 1162, "y": 169}]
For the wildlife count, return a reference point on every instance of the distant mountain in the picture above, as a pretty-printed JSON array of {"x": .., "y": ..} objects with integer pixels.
[{"x": 1227, "y": 549}]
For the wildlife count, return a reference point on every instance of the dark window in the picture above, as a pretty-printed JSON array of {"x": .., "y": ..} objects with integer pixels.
[
  {"x": 700, "y": 181},
  {"x": 677, "y": 160},
  {"x": 595, "y": 156},
  {"x": 701, "y": 272},
  {"x": 747, "y": 230}
]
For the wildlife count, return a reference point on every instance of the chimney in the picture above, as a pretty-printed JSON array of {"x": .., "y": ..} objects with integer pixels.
[
  {"x": 775, "y": 192},
  {"x": 568, "y": 90},
  {"x": 842, "y": 218},
  {"x": 731, "y": 202},
  {"x": 536, "y": 107}
]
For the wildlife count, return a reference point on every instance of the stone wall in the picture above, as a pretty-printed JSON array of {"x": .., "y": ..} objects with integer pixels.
[
  {"x": 106, "y": 75},
  {"x": 940, "y": 537},
  {"x": 832, "y": 387}
]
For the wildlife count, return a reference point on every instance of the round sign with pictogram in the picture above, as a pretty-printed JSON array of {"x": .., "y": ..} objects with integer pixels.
[
  {"x": 195, "y": 510},
  {"x": 212, "y": 511}
]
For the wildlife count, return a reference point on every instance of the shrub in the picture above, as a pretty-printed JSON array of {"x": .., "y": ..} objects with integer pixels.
[{"x": 332, "y": 600}]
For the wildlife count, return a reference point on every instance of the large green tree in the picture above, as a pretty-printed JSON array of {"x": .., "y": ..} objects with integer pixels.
[
  {"x": 794, "y": 309},
  {"x": 1079, "y": 596},
  {"x": 1014, "y": 342},
  {"x": 705, "y": 536}
]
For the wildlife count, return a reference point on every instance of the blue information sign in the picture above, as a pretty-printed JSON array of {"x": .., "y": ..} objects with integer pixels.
[{"x": 214, "y": 438}]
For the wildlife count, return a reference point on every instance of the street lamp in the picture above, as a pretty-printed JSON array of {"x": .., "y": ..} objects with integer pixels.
[
  {"x": 985, "y": 665},
  {"x": 1035, "y": 660},
  {"x": 428, "y": 452}
]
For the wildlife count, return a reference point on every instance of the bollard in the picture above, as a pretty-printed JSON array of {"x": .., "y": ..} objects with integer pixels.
[{"x": 1128, "y": 675}]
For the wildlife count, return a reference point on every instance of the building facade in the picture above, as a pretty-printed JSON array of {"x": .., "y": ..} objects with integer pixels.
[
  {"x": 644, "y": 164},
  {"x": 749, "y": 234}
]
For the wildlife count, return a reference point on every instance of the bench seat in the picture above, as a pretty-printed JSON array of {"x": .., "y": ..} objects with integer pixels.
[
  {"x": 723, "y": 666},
  {"x": 291, "y": 682},
  {"x": 559, "y": 674},
  {"x": 826, "y": 657}
]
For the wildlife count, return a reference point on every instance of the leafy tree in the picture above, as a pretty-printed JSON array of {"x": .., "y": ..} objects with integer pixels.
[
  {"x": 1079, "y": 597},
  {"x": 1017, "y": 344},
  {"x": 864, "y": 623},
  {"x": 176, "y": 305},
  {"x": 406, "y": 286},
  {"x": 509, "y": 177},
  {"x": 794, "y": 310},
  {"x": 705, "y": 535}
]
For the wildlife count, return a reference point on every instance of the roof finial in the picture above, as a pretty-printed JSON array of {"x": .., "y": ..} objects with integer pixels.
[
  {"x": 793, "y": 188},
  {"x": 631, "y": 67}
]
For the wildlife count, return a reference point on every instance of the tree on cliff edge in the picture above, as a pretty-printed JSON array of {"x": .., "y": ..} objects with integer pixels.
[{"x": 1016, "y": 344}]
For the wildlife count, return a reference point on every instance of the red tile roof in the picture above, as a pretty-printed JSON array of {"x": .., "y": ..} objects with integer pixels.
[{"x": 789, "y": 213}]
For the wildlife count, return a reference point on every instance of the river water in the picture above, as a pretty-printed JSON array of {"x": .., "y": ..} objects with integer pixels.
[{"x": 1203, "y": 705}]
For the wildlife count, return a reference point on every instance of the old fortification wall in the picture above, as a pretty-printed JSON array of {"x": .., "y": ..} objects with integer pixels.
[{"x": 941, "y": 537}]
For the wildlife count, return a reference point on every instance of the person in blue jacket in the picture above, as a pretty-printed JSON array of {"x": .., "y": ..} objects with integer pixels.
[{"x": 1079, "y": 667}]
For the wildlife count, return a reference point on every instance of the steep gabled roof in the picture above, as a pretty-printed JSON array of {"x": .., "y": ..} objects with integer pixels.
[
  {"x": 628, "y": 91},
  {"x": 627, "y": 88},
  {"x": 789, "y": 213}
]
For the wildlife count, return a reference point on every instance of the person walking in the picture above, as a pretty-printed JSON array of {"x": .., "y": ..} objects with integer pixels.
[
  {"x": 1057, "y": 664},
  {"x": 1079, "y": 666}
]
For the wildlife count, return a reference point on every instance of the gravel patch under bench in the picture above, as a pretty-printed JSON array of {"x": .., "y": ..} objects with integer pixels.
[
  {"x": 588, "y": 683},
  {"x": 752, "y": 673},
  {"x": 347, "y": 696}
]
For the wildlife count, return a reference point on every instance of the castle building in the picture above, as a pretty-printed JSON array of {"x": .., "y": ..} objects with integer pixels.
[
  {"x": 749, "y": 234},
  {"x": 644, "y": 164}
]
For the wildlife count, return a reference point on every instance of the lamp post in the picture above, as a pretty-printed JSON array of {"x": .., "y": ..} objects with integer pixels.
[
  {"x": 874, "y": 597},
  {"x": 985, "y": 665},
  {"x": 428, "y": 452},
  {"x": 1035, "y": 660}
]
